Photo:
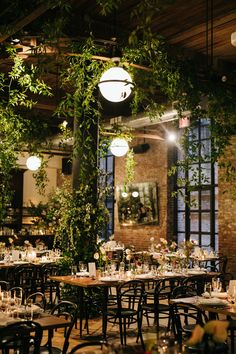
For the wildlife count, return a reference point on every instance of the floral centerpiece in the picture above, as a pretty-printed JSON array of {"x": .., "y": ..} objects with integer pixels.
[
  {"x": 210, "y": 338},
  {"x": 161, "y": 251}
]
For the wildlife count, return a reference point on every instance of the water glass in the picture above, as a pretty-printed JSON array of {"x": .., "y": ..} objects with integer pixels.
[
  {"x": 73, "y": 271},
  {"x": 207, "y": 288},
  {"x": 29, "y": 314},
  {"x": 216, "y": 285}
]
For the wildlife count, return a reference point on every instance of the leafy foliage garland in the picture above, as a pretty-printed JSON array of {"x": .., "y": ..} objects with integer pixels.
[{"x": 17, "y": 131}]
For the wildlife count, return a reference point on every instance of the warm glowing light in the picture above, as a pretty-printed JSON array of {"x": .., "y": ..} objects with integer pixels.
[
  {"x": 33, "y": 163},
  {"x": 172, "y": 137},
  {"x": 135, "y": 194},
  {"x": 64, "y": 123},
  {"x": 115, "y": 84},
  {"x": 124, "y": 194},
  {"x": 119, "y": 147}
]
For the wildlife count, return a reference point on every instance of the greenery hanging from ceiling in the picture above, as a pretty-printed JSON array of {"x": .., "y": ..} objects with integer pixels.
[{"x": 18, "y": 90}]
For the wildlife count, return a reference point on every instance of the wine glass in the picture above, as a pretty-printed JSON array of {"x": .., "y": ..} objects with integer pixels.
[
  {"x": 216, "y": 285},
  {"x": 73, "y": 271}
]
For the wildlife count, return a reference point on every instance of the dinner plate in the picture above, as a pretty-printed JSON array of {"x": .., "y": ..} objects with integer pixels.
[
  {"x": 20, "y": 262},
  {"x": 195, "y": 272},
  {"x": 82, "y": 274},
  {"x": 222, "y": 295},
  {"x": 108, "y": 279},
  {"x": 144, "y": 276}
]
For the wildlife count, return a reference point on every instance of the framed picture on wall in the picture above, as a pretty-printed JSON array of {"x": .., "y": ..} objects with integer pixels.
[{"x": 137, "y": 204}]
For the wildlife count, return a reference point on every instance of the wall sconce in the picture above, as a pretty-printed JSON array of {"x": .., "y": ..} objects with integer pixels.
[
  {"x": 119, "y": 147},
  {"x": 33, "y": 163},
  {"x": 115, "y": 84}
]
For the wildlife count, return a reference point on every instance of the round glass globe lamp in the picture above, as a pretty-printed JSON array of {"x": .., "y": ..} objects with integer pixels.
[
  {"x": 119, "y": 147},
  {"x": 135, "y": 194},
  {"x": 33, "y": 163},
  {"x": 115, "y": 84}
]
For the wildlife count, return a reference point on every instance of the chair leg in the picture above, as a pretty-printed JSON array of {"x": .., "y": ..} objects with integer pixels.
[
  {"x": 121, "y": 330},
  {"x": 125, "y": 323}
]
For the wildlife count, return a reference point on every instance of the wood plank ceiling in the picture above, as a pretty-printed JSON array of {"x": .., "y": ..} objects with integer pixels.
[{"x": 199, "y": 27}]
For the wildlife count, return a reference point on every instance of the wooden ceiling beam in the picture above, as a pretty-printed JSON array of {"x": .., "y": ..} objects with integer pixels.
[{"x": 17, "y": 26}]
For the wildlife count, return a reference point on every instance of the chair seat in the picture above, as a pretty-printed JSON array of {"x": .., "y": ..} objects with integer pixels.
[{"x": 161, "y": 307}]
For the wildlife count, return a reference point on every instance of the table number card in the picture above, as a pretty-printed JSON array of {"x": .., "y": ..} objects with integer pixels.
[{"x": 92, "y": 269}]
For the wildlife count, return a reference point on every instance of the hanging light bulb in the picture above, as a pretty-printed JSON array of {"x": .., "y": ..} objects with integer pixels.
[
  {"x": 119, "y": 147},
  {"x": 33, "y": 163},
  {"x": 115, "y": 84}
]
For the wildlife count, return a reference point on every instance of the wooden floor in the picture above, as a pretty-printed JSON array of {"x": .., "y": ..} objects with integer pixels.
[{"x": 95, "y": 330}]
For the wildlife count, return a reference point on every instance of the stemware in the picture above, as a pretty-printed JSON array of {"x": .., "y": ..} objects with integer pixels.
[
  {"x": 216, "y": 285},
  {"x": 73, "y": 271}
]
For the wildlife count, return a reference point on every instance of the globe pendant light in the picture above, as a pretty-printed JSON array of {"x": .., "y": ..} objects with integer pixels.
[
  {"x": 119, "y": 147},
  {"x": 33, "y": 163},
  {"x": 115, "y": 84}
]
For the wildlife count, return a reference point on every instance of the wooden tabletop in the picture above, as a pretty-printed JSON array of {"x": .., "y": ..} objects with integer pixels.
[
  {"x": 87, "y": 282},
  {"x": 227, "y": 309}
]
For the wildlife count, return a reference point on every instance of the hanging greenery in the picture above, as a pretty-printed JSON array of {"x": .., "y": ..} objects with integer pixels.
[{"x": 18, "y": 90}]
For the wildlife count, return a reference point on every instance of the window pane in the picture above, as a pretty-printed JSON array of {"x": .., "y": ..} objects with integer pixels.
[
  {"x": 216, "y": 173},
  {"x": 205, "y": 222},
  {"x": 194, "y": 200},
  {"x": 206, "y": 149},
  {"x": 216, "y": 222},
  {"x": 181, "y": 221},
  {"x": 216, "y": 198},
  {"x": 194, "y": 225},
  {"x": 206, "y": 241},
  {"x": 205, "y": 198},
  {"x": 205, "y": 132},
  {"x": 110, "y": 164},
  {"x": 205, "y": 173},
  {"x": 194, "y": 175},
  {"x": 180, "y": 201}
]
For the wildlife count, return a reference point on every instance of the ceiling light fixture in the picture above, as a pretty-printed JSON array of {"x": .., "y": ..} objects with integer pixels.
[
  {"x": 119, "y": 147},
  {"x": 172, "y": 136},
  {"x": 115, "y": 84},
  {"x": 33, "y": 163},
  {"x": 135, "y": 194}
]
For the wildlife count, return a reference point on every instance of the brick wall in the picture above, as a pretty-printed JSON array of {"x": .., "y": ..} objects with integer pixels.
[
  {"x": 151, "y": 167},
  {"x": 227, "y": 213}
]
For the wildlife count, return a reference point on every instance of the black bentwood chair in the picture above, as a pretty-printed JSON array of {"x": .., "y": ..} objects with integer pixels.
[
  {"x": 155, "y": 307},
  {"x": 96, "y": 345},
  {"x": 127, "y": 311},
  {"x": 21, "y": 337},
  {"x": 69, "y": 311}
]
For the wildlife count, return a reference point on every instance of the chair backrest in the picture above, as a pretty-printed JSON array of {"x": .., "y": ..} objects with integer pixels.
[
  {"x": 24, "y": 277},
  {"x": 68, "y": 310},
  {"x": 23, "y": 337},
  {"x": 183, "y": 291},
  {"x": 95, "y": 344},
  {"x": 4, "y": 285},
  {"x": 197, "y": 282},
  {"x": 185, "y": 314},
  {"x": 130, "y": 294},
  {"x": 164, "y": 288},
  {"x": 47, "y": 270},
  {"x": 38, "y": 299}
]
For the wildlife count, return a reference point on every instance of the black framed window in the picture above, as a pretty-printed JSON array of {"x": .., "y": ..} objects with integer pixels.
[
  {"x": 198, "y": 220},
  {"x": 106, "y": 164}
]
